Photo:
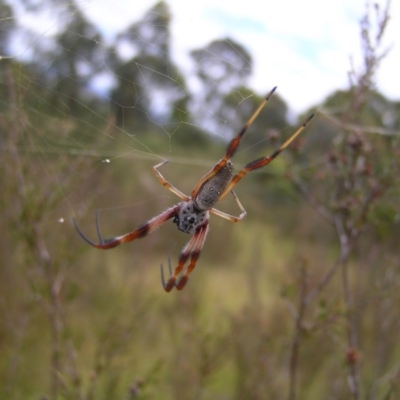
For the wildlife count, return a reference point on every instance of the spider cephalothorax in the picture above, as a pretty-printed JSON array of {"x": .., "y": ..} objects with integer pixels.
[{"x": 192, "y": 215}]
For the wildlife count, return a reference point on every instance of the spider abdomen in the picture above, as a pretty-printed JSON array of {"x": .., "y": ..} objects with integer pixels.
[
  {"x": 189, "y": 217},
  {"x": 212, "y": 189}
]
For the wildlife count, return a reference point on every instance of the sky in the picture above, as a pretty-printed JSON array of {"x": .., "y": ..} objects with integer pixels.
[{"x": 303, "y": 47}]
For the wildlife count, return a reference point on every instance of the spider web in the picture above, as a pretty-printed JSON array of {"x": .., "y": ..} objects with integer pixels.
[
  {"x": 83, "y": 91},
  {"x": 115, "y": 90},
  {"x": 121, "y": 92}
]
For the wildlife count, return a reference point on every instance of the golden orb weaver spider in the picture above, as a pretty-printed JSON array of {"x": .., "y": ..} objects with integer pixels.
[{"x": 192, "y": 214}]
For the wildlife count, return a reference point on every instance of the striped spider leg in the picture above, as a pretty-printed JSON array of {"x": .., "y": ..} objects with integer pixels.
[{"x": 192, "y": 214}]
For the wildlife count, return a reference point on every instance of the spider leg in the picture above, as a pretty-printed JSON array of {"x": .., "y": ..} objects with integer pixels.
[
  {"x": 166, "y": 184},
  {"x": 195, "y": 256},
  {"x": 162, "y": 274},
  {"x": 233, "y": 145},
  {"x": 185, "y": 254},
  {"x": 263, "y": 161},
  {"x": 230, "y": 217},
  {"x": 192, "y": 250},
  {"x": 99, "y": 234},
  {"x": 143, "y": 230}
]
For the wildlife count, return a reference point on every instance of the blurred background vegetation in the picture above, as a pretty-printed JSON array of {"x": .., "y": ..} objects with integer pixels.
[{"x": 301, "y": 300}]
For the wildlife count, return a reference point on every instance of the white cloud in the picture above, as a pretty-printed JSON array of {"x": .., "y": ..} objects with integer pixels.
[{"x": 303, "y": 47}]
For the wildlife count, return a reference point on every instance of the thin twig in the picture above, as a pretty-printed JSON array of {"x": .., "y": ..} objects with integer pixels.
[{"x": 298, "y": 335}]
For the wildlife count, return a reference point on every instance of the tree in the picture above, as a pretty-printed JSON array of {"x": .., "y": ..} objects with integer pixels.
[
  {"x": 7, "y": 25},
  {"x": 76, "y": 59},
  {"x": 221, "y": 66},
  {"x": 240, "y": 103},
  {"x": 149, "y": 84}
]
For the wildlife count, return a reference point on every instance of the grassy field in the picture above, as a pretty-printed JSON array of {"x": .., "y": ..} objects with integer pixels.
[
  {"x": 299, "y": 301},
  {"x": 103, "y": 321}
]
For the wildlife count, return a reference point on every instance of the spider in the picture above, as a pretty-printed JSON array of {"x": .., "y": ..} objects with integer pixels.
[{"x": 192, "y": 214}]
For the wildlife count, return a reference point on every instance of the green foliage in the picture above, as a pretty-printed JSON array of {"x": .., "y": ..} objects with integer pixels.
[
  {"x": 7, "y": 25},
  {"x": 149, "y": 75}
]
